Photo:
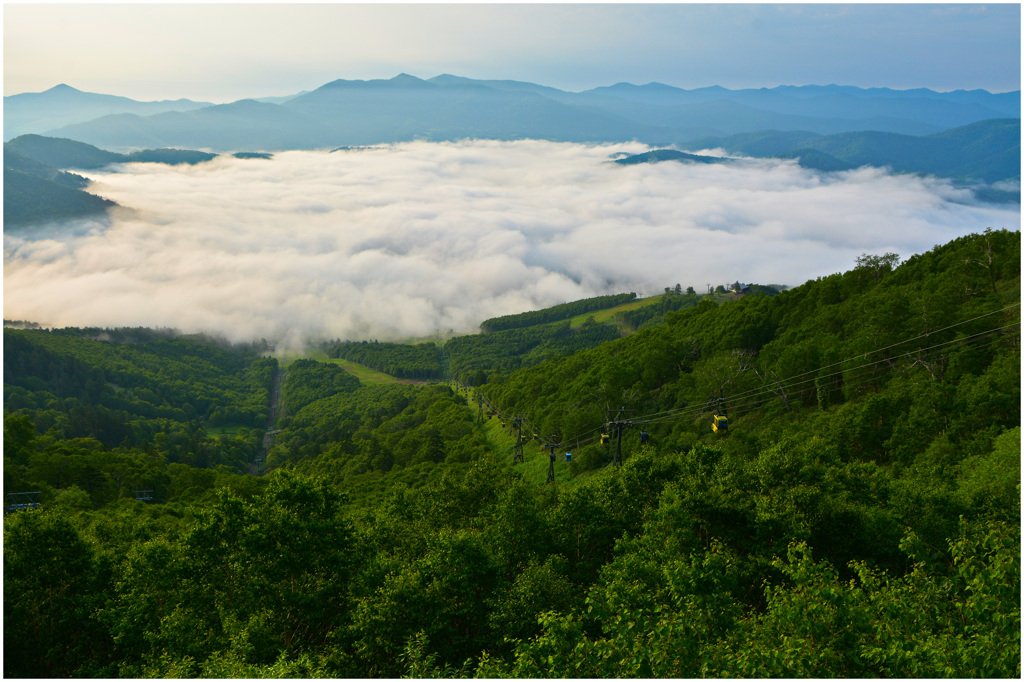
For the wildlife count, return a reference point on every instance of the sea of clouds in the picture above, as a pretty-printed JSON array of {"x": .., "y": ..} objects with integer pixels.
[{"x": 413, "y": 239}]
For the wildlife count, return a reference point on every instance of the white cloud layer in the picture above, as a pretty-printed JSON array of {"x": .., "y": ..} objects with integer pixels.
[{"x": 401, "y": 241}]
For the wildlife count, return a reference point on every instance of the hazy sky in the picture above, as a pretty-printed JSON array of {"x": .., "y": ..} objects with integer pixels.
[{"x": 225, "y": 52}]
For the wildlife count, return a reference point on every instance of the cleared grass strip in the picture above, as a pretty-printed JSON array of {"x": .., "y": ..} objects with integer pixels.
[
  {"x": 365, "y": 374},
  {"x": 607, "y": 314}
]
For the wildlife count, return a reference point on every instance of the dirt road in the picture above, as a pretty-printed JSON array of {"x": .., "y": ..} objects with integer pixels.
[{"x": 259, "y": 466}]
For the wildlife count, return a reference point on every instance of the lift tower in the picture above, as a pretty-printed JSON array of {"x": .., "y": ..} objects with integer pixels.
[
  {"x": 619, "y": 426},
  {"x": 518, "y": 456}
]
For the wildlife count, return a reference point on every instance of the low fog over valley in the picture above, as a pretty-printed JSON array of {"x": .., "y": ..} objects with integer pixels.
[{"x": 407, "y": 240}]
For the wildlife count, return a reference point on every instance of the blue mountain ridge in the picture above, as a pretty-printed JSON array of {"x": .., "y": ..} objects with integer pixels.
[{"x": 446, "y": 107}]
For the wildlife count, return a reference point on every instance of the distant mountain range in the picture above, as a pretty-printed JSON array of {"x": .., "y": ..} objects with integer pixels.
[
  {"x": 37, "y": 112},
  {"x": 355, "y": 112},
  {"x": 984, "y": 152},
  {"x": 972, "y": 136}
]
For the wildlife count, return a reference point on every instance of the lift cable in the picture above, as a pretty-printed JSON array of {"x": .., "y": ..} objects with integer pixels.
[
  {"x": 789, "y": 383},
  {"x": 754, "y": 396},
  {"x": 766, "y": 394},
  {"x": 865, "y": 354}
]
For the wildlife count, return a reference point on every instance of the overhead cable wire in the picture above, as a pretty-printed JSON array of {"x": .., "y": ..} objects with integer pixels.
[
  {"x": 789, "y": 383},
  {"x": 765, "y": 394},
  {"x": 770, "y": 393}
]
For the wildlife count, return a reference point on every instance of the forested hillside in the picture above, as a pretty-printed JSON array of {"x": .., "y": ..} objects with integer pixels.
[
  {"x": 106, "y": 410},
  {"x": 63, "y": 153},
  {"x": 986, "y": 151},
  {"x": 471, "y": 358},
  {"x": 554, "y": 313},
  {"x": 508, "y": 342},
  {"x": 29, "y": 198},
  {"x": 860, "y": 517},
  {"x": 36, "y": 191},
  {"x": 420, "y": 361}
]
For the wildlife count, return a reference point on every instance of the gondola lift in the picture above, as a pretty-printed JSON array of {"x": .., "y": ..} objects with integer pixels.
[{"x": 720, "y": 419}]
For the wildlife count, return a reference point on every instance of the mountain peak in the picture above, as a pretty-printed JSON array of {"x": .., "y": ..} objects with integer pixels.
[
  {"x": 63, "y": 87},
  {"x": 448, "y": 78},
  {"x": 405, "y": 80},
  {"x": 402, "y": 80}
]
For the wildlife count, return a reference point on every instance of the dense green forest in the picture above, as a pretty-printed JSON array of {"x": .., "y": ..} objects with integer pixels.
[
  {"x": 29, "y": 198},
  {"x": 654, "y": 314},
  {"x": 112, "y": 411},
  {"x": 309, "y": 381},
  {"x": 405, "y": 361},
  {"x": 471, "y": 358},
  {"x": 17, "y": 162},
  {"x": 507, "y": 343},
  {"x": 554, "y": 313},
  {"x": 859, "y": 518}
]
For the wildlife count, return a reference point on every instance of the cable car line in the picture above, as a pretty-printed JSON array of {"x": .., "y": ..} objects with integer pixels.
[
  {"x": 789, "y": 384},
  {"x": 756, "y": 397},
  {"x": 763, "y": 395}
]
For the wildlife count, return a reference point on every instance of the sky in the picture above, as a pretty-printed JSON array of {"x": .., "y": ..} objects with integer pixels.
[
  {"x": 407, "y": 240},
  {"x": 224, "y": 52}
]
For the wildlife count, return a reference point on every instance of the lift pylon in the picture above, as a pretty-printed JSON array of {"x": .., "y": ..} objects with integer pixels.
[
  {"x": 619, "y": 426},
  {"x": 518, "y": 452}
]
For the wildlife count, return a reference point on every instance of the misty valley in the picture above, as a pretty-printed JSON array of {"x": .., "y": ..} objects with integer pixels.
[
  {"x": 405, "y": 241},
  {"x": 456, "y": 378}
]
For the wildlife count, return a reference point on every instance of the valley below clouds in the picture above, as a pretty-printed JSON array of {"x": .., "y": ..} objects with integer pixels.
[{"x": 405, "y": 240}]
